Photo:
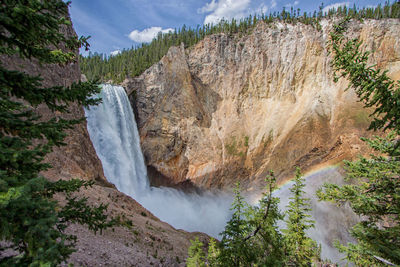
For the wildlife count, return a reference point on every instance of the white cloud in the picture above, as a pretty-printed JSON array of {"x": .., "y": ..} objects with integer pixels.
[
  {"x": 116, "y": 52},
  {"x": 226, "y": 9},
  {"x": 262, "y": 9},
  {"x": 295, "y": 3},
  {"x": 273, "y": 3},
  {"x": 147, "y": 35},
  {"x": 209, "y": 7},
  {"x": 335, "y": 6}
]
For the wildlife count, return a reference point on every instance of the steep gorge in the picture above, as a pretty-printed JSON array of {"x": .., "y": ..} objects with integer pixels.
[
  {"x": 228, "y": 109},
  {"x": 145, "y": 240},
  {"x": 232, "y": 108}
]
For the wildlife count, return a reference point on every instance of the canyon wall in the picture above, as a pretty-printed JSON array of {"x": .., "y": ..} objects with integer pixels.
[
  {"x": 78, "y": 158},
  {"x": 232, "y": 108},
  {"x": 145, "y": 240}
]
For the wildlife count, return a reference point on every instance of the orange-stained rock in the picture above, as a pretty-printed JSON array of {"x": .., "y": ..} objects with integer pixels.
[{"x": 232, "y": 108}]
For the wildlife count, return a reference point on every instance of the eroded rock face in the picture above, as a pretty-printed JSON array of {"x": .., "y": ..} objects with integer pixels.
[
  {"x": 170, "y": 102},
  {"x": 78, "y": 158},
  {"x": 147, "y": 241},
  {"x": 233, "y": 108}
]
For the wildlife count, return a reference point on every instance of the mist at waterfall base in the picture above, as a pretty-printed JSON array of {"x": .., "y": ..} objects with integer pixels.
[
  {"x": 331, "y": 222},
  {"x": 113, "y": 131}
]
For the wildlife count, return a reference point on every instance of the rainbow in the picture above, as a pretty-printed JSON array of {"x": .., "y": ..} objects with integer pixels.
[
  {"x": 313, "y": 173},
  {"x": 321, "y": 169}
]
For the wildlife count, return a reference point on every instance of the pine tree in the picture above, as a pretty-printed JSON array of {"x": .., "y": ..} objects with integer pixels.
[
  {"x": 213, "y": 253},
  {"x": 301, "y": 250},
  {"x": 266, "y": 238},
  {"x": 196, "y": 254},
  {"x": 251, "y": 237},
  {"x": 32, "y": 223},
  {"x": 374, "y": 191},
  {"x": 140, "y": 58},
  {"x": 233, "y": 250}
]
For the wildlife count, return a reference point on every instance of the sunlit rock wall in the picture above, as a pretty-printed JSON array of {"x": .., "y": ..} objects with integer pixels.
[{"x": 232, "y": 108}]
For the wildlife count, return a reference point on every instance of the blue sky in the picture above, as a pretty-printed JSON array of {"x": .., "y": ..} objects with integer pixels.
[{"x": 117, "y": 24}]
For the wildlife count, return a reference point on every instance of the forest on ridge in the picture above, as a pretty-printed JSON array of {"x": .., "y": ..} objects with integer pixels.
[
  {"x": 34, "y": 221},
  {"x": 132, "y": 62}
]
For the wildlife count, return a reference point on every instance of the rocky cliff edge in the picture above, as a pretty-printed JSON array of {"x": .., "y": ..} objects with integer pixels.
[
  {"x": 232, "y": 108},
  {"x": 146, "y": 240}
]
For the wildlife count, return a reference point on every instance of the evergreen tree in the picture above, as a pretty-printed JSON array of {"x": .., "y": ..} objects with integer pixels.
[
  {"x": 31, "y": 222},
  {"x": 267, "y": 240},
  {"x": 233, "y": 250},
  {"x": 132, "y": 62},
  {"x": 213, "y": 253},
  {"x": 251, "y": 237},
  {"x": 196, "y": 254},
  {"x": 300, "y": 249},
  {"x": 374, "y": 191}
]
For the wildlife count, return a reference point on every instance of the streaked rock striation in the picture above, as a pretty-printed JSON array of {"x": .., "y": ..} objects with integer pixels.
[{"x": 232, "y": 108}]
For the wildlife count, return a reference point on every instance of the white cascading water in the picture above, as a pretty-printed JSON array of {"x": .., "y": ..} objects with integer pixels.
[{"x": 113, "y": 131}]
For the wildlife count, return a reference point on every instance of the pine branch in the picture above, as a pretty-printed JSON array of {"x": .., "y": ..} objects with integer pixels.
[{"x": 258, "y": 228}]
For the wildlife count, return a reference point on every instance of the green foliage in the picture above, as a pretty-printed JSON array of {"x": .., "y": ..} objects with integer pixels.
[
  {"x": 372, "y": 85},
  {"x": 252, "y": 237},
  {"x": 246, "y": 141},
  {"x": 233, "y": 251},
  {"x": 213, "y": 253},
  {"x": 196, "y": 254},
  {"x": 31, "y": 222},
  {"x": 266, "y": 239},
  {"x": 133, "y": 62},
  {"x": 231, "y": 148},
  {"x": 361, "y": 119},
  {"x": 373, "y": 191},
  {"x": 301, "y": 250},
  {"x": 237, "y": 148},
  {"x": 374, "y": 194}
]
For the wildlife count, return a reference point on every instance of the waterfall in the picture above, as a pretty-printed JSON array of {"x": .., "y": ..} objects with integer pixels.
[
  {"x": 113, "y": 131},
  {"x": 114, "y": 134}
]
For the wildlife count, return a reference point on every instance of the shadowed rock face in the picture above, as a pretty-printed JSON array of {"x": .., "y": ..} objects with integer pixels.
[
  {"x": 149, "y": 241},
  {"x": 78, "y": 158},
  {"x": 233, "y": 108},
  {"x": 171, "y": 101}
]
